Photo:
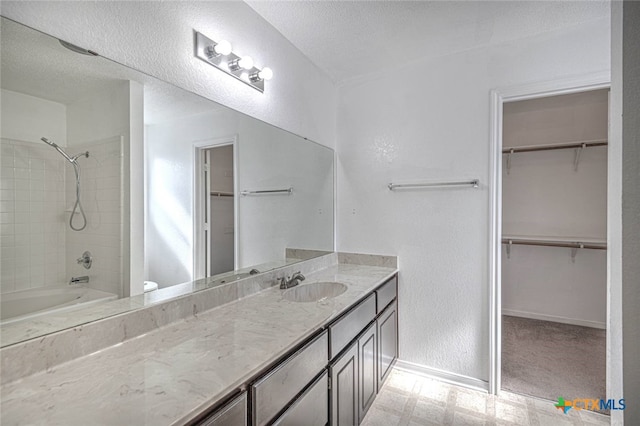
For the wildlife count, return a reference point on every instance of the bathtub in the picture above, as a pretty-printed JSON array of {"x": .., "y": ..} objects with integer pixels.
[{"x": 26, "y": 304}]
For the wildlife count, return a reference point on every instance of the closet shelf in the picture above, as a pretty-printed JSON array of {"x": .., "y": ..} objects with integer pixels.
[
  {"x": 221, "y": 194},
  {"x": 549, "y": 147}
]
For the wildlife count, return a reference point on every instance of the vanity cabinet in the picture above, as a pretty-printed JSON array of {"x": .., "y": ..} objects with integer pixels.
[
  {"x": 344, "y": 388},
  {"x": 333, "y": 378},
  {"x": 387, "y": 324},
  {"x": 277, "y": 389},
  {"x": 367, "y": 369},
  {"x": 232, "y": 413},
  {"x": 311, "y": 408}
]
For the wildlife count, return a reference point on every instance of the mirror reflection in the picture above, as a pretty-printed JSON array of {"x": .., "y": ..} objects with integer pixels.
[{"x": 102, "y": 165}]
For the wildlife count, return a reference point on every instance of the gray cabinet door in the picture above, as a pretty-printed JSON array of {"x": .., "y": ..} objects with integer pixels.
[
  {"x": 368, "y": 380},
  {"x": 233, "y": 413},
  {"x": 387, "y": 342},
  {"x": 311, "y": 408},
  {"x": 344, "y": 388},
  {"x": 275, "y": 390}
]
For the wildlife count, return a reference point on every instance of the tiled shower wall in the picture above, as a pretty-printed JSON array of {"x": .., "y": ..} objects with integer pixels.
[
  {"x": 38, "y": 247},
  {"x": 32, "y": 230},
  {"x": 102, "y": 197}
]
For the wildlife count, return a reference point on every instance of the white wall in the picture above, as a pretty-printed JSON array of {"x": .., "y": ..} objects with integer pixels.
[
  {"x": 268, "y": 158},
  {"x": 157, "y": 38},
  {"x": 430, "y": 120},
  {"x": 99, "y": 123},
  {"x": 221, "y": 210},
  {"x": 32, "y": 218},
  {"x": 27, "y": 118}
]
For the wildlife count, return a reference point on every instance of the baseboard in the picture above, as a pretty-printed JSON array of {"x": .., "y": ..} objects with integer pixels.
[
  {"x": 443, "y": 376},
  {"x": 553, "y": 318}
]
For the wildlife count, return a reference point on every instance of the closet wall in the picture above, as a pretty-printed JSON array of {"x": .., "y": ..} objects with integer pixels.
[
  {"x": 222, "y": 219},
  {"x": 545, "y": 197}
]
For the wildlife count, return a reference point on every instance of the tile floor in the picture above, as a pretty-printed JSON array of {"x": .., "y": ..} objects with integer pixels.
[{"x": 412, "y": 400}]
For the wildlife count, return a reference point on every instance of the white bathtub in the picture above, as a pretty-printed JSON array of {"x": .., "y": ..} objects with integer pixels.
[{"x": 27, "y": 304}]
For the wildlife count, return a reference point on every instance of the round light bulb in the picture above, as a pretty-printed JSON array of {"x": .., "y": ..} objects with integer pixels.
[
  {"x": 223, "y": 47},
  {"x": 246, "y": 62},
  {"x": 266, "y": 73}
]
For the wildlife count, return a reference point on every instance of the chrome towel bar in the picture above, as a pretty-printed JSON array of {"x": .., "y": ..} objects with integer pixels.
[
  {"x": 268, "y": 191},
  {"x": 472, "y": 183}
]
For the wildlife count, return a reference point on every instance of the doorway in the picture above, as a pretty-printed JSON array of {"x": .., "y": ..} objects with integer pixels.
[
  {"x": 554, "y": 233},
  {"x": 215, "y": 207},
  {"x": 548, "y": 239}
]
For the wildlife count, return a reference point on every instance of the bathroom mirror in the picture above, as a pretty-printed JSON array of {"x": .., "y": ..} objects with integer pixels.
[{"x": 225, "y": 195}]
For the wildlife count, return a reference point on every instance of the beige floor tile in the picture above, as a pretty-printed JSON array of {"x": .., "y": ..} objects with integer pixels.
[
  {"x": 512, "y": 413},
  {"x": 378, "y": 417},
  {"x": 592, "y": 418},
  {"x": 392, "y": 400},
  {"x": 433, "y": 389},
  {"x": 461, "y": 418},
  {"x": 402, "y": 380},
  {"x": 472, "y": 401},
  {"x": 419, "y": 401},
  {"x": 547, "y": 420},
  {"x": 428, "y": 411}
]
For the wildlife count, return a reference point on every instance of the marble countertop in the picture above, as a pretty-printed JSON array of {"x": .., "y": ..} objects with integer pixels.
[{"x": 171, "y": 375}]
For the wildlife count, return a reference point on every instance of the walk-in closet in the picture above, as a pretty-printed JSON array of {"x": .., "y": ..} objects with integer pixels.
[{"x": 554, "y": 244}]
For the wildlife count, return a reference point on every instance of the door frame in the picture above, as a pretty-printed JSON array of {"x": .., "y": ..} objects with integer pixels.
[
  {"x": 199, "y": 264},
  {"x": 498, "y": 97}
]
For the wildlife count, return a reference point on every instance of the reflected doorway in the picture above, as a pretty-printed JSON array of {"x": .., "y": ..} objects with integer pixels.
[{"x": 216, "y": 207}]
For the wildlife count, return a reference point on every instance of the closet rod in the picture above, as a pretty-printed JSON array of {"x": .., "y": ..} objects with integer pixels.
[
  {"x": 550, "y": 243},
  {"x": 571, "y": 145}
]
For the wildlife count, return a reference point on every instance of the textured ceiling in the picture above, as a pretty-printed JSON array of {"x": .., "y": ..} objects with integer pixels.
[
  {"x": 36, "y": 64},
  {"x": 351, "y": 38}
]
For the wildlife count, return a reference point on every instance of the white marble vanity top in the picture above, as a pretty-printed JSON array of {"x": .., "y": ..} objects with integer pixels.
[{"x": 174, "y": 373}]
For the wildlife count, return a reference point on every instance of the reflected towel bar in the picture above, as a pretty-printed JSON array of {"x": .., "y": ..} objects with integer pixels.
[
  {"x": 268, "y": 191},
  {"x": 472, "y": 183}
]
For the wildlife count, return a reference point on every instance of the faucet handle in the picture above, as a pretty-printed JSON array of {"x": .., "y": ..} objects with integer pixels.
[{"x": 282, "y": 282}]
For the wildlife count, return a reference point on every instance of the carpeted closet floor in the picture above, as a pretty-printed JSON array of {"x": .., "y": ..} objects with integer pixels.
[{"x": 549, "y": 359}]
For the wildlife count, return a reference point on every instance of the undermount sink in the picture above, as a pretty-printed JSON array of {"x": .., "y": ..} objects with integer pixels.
[{"x": 314, "y": 292}]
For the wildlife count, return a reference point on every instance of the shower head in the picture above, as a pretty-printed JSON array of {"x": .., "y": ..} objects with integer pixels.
[
  {"x": 60, "y": 150},
  {"x": 48, "y": 142}
]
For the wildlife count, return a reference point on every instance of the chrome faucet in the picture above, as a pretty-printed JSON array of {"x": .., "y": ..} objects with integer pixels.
[
  {"x": 292, "y": 281},
  {"x": 78, "y": 280}
]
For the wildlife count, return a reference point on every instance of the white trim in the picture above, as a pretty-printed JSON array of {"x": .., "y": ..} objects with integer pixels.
[
  {"x": 442, "y": 376},
  {"x": 554, "y": 318},
  {"x": 498, "y": 96},
  {"x": 198, "y": 242}
]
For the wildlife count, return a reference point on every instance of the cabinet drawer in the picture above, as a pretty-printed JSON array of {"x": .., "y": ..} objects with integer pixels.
[
  {"x": 349, "y": 326},
  {"x": 386, "y": 293},
  {"x": 234, "y": 413},
  {"x": 311, "y": 409},
  {"x": 276, "y": 389}
]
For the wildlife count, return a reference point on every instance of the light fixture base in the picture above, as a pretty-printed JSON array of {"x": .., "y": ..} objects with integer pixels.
[{"x": 202, "y": 44}]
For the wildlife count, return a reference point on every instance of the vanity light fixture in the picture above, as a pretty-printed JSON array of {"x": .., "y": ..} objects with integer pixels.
[{"x": 220, "y": 55}]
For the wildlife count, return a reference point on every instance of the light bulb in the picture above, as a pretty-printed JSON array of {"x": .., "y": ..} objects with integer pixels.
[
  {"x": 223, "y": 47},
  {"x": 265, "y": 74},
  {"x": 246, "y": 62}
]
